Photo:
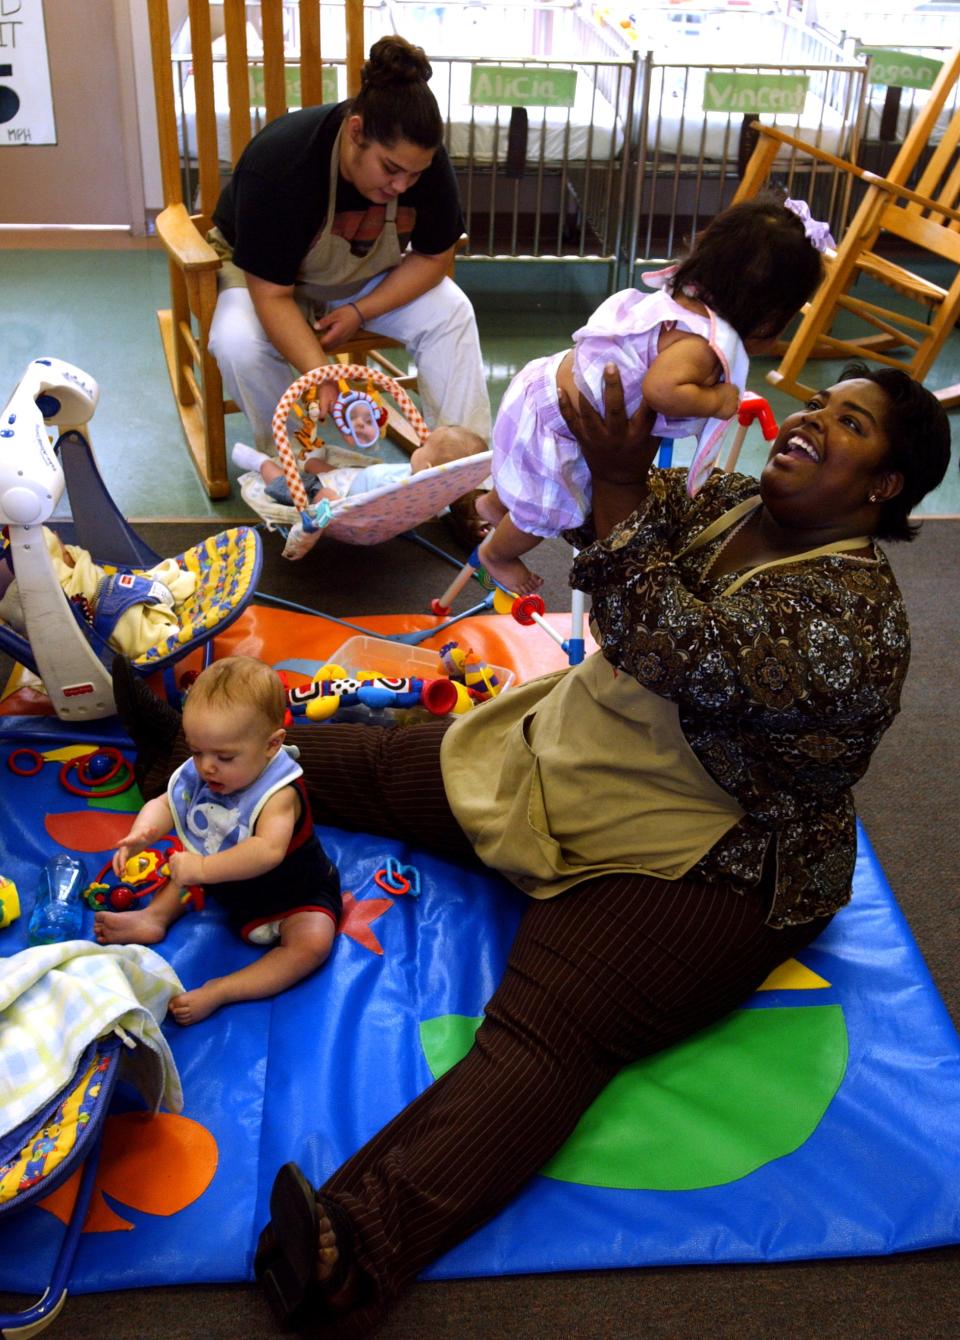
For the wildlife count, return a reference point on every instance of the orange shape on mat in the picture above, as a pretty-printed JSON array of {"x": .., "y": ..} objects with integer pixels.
[
  {"x": 157, "y": 1164},
  {"x": 357, "y": 916},
  {"x": 88, "y": 830}
]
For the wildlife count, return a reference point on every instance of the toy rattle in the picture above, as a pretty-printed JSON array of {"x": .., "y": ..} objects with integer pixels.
[
  {"x": 143, "y": 876},
  {"x": 9, "y": 901}
]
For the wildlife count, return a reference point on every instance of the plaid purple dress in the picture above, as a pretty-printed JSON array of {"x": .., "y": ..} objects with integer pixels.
[{"x": 539, "y": 472}]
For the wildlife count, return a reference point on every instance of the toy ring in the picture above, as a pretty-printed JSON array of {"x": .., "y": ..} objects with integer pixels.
[
  {"x": 525, "y": 607},
  {"x": 35, "y": 758},
  {"x": 360, "y": 415},
  {"x": 348, "y": 372},
  {"x": 88, "y": 778}
]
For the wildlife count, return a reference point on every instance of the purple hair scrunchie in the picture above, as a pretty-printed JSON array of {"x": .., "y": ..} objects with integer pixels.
[{"x": 817, "y": 234}]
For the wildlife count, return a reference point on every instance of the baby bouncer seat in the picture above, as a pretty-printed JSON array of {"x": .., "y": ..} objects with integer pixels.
[
  {"x": 43, "y": 1152},
  {"x": 372, "y": 517},
  {"x": 71, "y": 654}
]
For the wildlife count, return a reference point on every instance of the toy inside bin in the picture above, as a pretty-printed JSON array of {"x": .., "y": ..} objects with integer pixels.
[{"x": 400, "y": 661}]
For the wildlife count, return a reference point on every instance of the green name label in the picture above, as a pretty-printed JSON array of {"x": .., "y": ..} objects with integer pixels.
[
  {"x": 900, "y": 69},
  {"x": 506, "y": 86},
  {"x": 723, "y": 92},
  {"x": 291, "y": 79}
]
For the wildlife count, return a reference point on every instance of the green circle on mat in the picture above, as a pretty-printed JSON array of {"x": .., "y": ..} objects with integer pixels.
[{"x": 751, "y": 1089}]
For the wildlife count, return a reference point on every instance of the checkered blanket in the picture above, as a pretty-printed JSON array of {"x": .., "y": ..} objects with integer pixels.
[{"x": 55, "y": 999}]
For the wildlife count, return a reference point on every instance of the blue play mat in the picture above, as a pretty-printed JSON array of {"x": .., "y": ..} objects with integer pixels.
[{"x": 818, "y": 1121}]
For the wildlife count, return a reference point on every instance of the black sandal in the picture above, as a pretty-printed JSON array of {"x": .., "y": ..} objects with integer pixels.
[{"x": 286, "y": 1260}]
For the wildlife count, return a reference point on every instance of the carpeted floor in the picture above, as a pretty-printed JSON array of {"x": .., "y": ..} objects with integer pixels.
[{"x": 908, "y": 804}]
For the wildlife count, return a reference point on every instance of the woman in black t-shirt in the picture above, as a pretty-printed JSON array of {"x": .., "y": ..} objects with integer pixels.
[{"x": 343, "y": 216}]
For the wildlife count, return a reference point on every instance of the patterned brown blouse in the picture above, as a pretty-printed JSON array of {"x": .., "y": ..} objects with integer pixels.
[{"x": 784, "y": 687}]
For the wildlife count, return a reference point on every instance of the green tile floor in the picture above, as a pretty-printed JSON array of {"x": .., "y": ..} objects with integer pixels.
[{"x": 96, "y": 309}]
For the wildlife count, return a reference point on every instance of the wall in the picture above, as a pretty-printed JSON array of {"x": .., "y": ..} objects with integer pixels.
[{"x": 92, "y": 176}]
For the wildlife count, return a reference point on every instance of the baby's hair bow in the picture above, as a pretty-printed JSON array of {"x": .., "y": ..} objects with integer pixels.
[{"x": 818, "y": 234}]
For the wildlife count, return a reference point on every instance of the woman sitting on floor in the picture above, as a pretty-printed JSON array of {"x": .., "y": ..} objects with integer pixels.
[{"x": 678, "y": 808}]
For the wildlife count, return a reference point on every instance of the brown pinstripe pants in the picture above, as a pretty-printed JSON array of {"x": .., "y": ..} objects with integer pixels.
[{"x": 614, "y": 969}]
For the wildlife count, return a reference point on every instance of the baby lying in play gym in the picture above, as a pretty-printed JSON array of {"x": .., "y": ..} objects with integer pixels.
[{"x": 321, "y": 480}]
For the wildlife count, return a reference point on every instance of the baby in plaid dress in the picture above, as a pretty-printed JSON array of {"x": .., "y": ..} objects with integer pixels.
[{"x": 683, "y": 349}]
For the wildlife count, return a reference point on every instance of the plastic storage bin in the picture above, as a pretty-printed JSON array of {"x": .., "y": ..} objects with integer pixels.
[{"x": 399, "y": 661}]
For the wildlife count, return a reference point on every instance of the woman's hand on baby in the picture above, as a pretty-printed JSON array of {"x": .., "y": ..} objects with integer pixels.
[{"x": 618, "y": 450}]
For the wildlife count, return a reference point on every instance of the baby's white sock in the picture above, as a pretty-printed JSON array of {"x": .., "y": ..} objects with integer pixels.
[{"x": 248, "y": 458}]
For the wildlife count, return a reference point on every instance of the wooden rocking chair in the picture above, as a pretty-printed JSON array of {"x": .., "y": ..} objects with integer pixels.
[
  {"x": 907, "y": 223},
  {"x": 250, "y": 76}
]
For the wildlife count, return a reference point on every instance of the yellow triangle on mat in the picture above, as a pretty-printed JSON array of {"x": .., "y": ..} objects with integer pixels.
[
  {"x": 67, "y": 751},
  {"x": 793, "y": 976}
]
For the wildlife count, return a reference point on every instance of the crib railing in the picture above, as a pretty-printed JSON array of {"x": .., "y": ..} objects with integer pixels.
[
  {"x": 536, "y": 181},
  {"x": 636, "y": 166},
  {"x": 689, "y": 159}
]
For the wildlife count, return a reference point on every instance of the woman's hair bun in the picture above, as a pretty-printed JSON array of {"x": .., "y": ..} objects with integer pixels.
[{"x": 394, "y": 60}]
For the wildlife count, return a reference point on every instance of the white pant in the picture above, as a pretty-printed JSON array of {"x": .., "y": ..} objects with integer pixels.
[{"x": 438, "y": 328}]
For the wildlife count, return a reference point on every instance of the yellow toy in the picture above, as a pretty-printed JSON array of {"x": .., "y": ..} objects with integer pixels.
[{"x": 9, "y": 902}]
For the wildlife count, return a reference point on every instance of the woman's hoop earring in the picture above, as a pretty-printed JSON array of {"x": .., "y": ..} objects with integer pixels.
[{"x": 872, "y": 498}]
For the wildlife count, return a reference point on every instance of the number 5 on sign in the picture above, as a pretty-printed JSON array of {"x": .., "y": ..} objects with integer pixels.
[{"x": 26, "y": 102}]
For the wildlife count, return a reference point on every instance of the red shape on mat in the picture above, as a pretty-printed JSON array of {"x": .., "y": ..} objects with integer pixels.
[
  {"x": 88, "y": 830},
  {"x": 357, "y": 916}
]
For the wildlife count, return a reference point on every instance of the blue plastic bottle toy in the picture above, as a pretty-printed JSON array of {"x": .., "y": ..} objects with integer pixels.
[{"x": 58, "y": 911}]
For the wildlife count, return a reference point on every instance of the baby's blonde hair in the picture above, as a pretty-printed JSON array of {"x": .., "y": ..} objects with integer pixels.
[
  {"x": 451, "y": 443},
  {"x": 241, "y": 681}
]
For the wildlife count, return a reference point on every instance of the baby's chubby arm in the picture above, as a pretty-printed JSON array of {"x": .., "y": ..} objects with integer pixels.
[
  {"x": 682, "y": 381},
  {"x": 263, "y": 850},
  {"x": 153, "y": 822}
]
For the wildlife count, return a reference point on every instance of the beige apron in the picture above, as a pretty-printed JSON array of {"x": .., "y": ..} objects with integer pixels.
[
  {"x": 585, "y": 772},
  {"x": 330, "y": 271},
  {"x": 739, "y": 514}
]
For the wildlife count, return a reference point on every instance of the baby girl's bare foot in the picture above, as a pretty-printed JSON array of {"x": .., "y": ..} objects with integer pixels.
[
  {"x": 511, "y": 573},
  {"x": 193, "y": 1006},
  {"x": 128, "y": 928}
]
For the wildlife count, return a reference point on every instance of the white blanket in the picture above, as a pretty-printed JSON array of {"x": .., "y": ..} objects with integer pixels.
[{"x": 55, "y": 999}]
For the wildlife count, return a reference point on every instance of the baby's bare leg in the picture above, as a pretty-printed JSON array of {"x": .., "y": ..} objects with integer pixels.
[
  {"x": 306, "y": 939},
  {"x": 145, "y": 926},
  {"x": 500, "y": 555},
  {"x": 490, "y": 508}
]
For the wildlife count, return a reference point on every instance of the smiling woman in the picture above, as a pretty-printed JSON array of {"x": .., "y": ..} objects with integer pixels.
[
  {"x": 878, "y": 424},
  {"x": 678, "y": 809}
]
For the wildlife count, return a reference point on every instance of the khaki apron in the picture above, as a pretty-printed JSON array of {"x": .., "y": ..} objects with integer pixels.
[
  {"x": 329, "y": 272},
  {"x": 584, "y": 772}
]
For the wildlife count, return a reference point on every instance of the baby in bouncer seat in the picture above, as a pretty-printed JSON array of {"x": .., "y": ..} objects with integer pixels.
[
  {"x": 322, "y": 480},
  {"x": 131, "y": 612}
]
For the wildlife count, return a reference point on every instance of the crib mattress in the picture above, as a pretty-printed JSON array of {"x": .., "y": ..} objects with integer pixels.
[{"x": 587, "y": 131}]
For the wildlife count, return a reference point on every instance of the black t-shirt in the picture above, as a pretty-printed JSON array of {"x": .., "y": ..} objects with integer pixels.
[{"x": 275, "y": 204}]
